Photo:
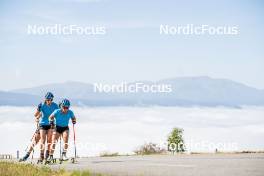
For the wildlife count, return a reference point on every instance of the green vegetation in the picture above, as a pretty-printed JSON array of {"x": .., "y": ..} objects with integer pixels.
[
  {"x": 175, "y": 140},
  {"x": 108, "y": 154},
  {"x": 148, "y": 149},
  {"x": 21, "y": 169}
]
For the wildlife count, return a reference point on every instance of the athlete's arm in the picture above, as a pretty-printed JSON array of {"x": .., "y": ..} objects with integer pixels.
[
  {"x": 38, "y": 112},
  {"x": 37, "y": 115}
]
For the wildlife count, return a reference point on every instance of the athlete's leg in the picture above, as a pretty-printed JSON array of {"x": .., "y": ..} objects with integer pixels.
[
  {"x": 43, "y": 135},
  {"x": 49, "y": 141},
  {"x": 35, "y": 141},
  {"x": 65, "y": 137},
  {"x": 55, "y": 137}
]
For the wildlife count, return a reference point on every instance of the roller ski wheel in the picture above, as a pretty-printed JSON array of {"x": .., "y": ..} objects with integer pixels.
[
  {"x": 73, "y": 160},
  {"x": 63, "y": 160},
  {"x": 53, "y": 161},
  {"x": 47, "y": 162},
  {"x": 40, "y": 161}
]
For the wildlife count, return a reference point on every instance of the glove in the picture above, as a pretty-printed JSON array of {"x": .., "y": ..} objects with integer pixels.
[
  {"x": 52, "y": 125},
  {"x": 73, "y": 121},
  {"x": 37, "y": 120},
  {"x": 39, "y": 107}
]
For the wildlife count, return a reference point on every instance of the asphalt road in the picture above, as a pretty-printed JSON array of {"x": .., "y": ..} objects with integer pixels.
[{"x": 182, "y": 165}]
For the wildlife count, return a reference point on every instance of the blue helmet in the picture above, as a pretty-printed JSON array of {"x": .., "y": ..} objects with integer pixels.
[
  {"x": 49, "y": 96},
  {"x": 65, "y": 103}
]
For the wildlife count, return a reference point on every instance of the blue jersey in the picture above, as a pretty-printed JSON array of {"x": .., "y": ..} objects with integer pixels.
[
  {"x": 62, "y": 119},
  {"x": 46, "y": 111}
]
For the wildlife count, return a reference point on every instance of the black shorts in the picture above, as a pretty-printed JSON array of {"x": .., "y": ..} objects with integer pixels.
[
  {"x": 60, "y": 129},
  {"x": 44, "y": 127}
]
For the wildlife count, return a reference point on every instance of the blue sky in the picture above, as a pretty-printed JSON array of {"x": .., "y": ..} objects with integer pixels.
[{"x": 132, "y": 48}]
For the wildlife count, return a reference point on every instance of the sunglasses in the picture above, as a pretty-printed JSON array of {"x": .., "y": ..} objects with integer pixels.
[
  {"x": 48, "y": 99},
  {"x": 65, "y": 107}
]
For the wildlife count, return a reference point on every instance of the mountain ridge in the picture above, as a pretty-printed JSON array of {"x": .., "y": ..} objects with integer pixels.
[{"x": 186, "y": 91}]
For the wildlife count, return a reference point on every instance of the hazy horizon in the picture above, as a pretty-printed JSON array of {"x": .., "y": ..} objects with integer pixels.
[{"x": 116, "y": 82}]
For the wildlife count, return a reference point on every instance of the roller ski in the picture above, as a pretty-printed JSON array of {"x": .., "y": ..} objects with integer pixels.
[
  {"x": 63, "y": 158},
  {"x": 66, "y": 159},
  {"x": 50, "y": 160},
  {"x": 72, "y": 160}
]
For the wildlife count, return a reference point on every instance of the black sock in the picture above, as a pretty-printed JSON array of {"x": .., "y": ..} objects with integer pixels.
[
  {"x": 47, "y": 154},
  {"x": 42, "y": 156}
]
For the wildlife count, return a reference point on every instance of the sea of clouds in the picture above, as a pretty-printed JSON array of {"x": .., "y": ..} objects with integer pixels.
[{"x": 123, "y": 129}]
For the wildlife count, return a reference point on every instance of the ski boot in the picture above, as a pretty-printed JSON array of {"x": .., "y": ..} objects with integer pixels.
[
  {"x": 64, "y": 157},
  {"x": 24, "y": 158}
]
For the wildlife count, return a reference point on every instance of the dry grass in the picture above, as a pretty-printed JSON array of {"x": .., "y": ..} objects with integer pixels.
[{"x": 21, "y": 169}]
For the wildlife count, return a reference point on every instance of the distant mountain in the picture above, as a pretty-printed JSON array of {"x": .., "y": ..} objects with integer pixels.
[
  {"x": 208, "y": 91},
  {"x": 68, "y": 89},
  {"x": 18, "y": 99},
  {"x": 186, "y": 91}
]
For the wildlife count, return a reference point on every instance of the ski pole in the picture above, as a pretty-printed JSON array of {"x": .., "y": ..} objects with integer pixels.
[
  {"x": 34, "y": 137},
  {"x": 74, "y": 140},
  {"x": 60, "y": 148},
  {"x": 32, "y": 156}
]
